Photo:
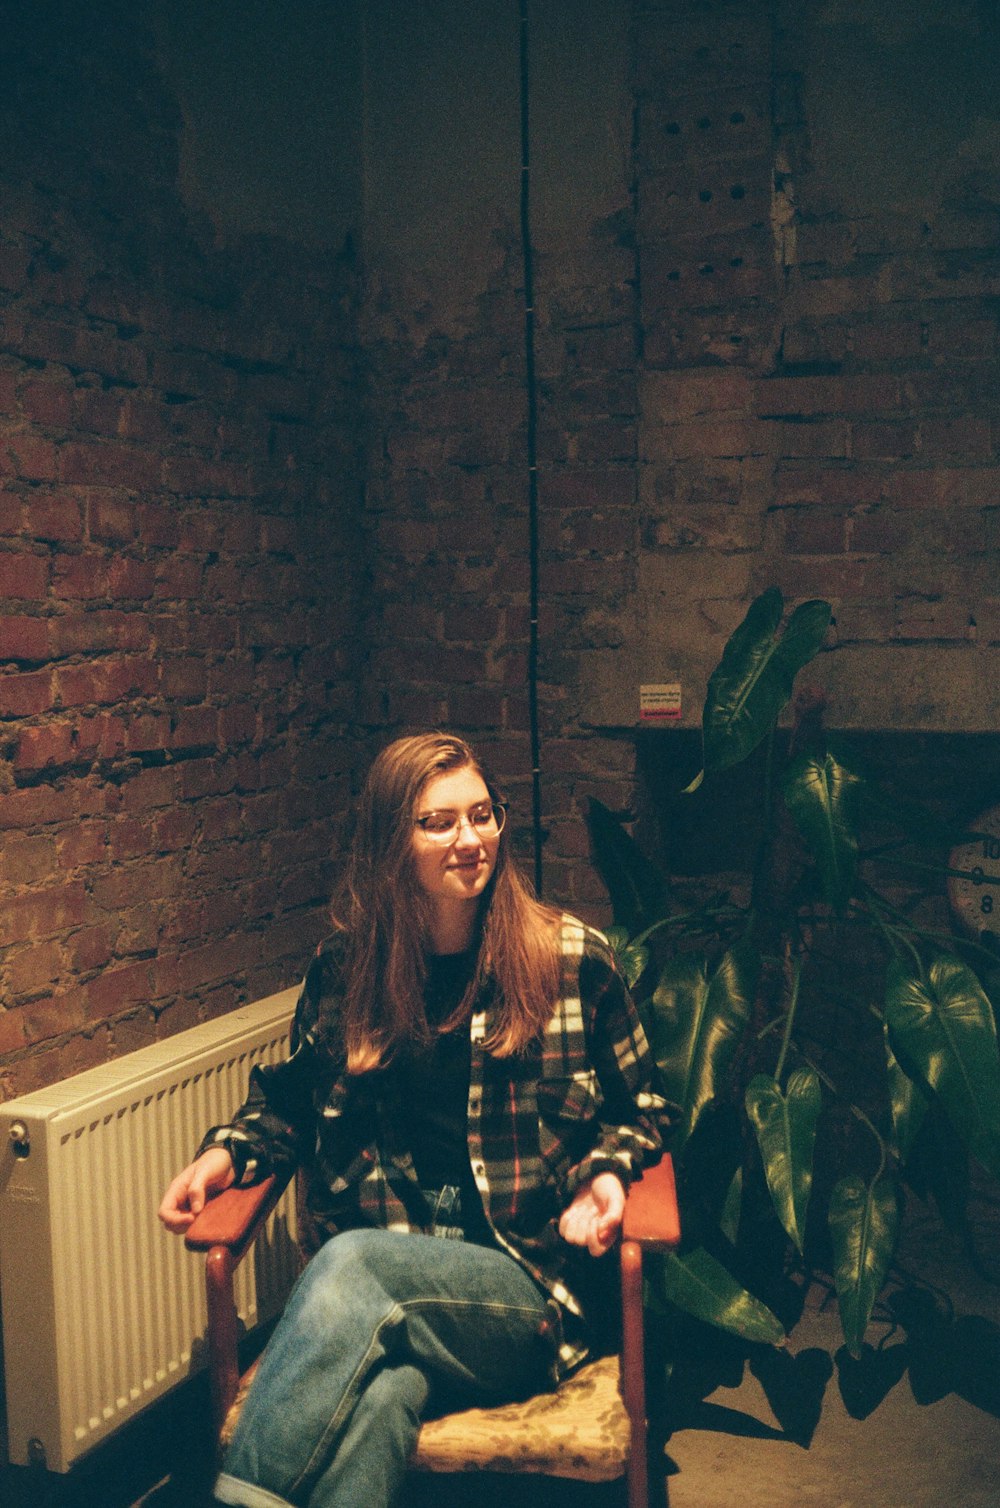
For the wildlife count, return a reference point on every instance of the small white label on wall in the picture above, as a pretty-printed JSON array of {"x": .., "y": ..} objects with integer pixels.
[{"x": 659, "y": 704}]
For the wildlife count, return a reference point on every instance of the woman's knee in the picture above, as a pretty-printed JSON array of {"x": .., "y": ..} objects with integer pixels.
[{"x": 343, "y": 1274}]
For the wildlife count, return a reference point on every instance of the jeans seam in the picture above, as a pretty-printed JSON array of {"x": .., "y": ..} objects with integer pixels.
[{"x": 410, "y": 1305}]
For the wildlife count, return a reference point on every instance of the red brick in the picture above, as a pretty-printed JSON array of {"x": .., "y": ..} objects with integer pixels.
[
  {"x": 882, "y": 533},
  {"x": 149, "y": 790},
  {"x": 83, "y": 844},
  {"x": 57, "y": 519},
  {"x": 815, "y": 531},
  {"x": 179, "y": 578},
  {"x": 107, "y": 681},
  {"x": 12, "y": 1030},
  {"x": 23, "y": 577},
  {"x": 48, "y": 745},
  {"x": 147, "y": 732},
  {"x": 35, "y": 806},
  {"x": 158, "y": 525},
  {"x": 24, "y": 638},
  {"x": 29, "y": 457},
  {"x": 195, "y": 727},
  {"x": 42, "y": 913},
  {"x": 886, "y": 342},
  {"x": 33, "y": 968},
  {"x": 100, "y": 737},
  {"x": 237, "y": 725},
  {"x": 138, "y": 883},
  {"x": 99, "y": 412},
  {"x": 83, "y": 577},
  {"x": 964, "y": 438},
  {"x": 884, "y": 441},
  {"x": 111, "y": 520},
  {"x": 54, "y": 1017},
  {"x": 130, "y": 578},
  {"x": 114, "y": 990},
  {"x": 48, "y": 403},
  {"x": 25, "y": 695},
  {"x": 174, "y": 830},
  {"x": 111, "y": 464},
  {"x": 11, "y": 512},
  {"x": 24, "y": 859},
  {"x": 129, "y": 839},
  {"x": 76, "y": 632}
]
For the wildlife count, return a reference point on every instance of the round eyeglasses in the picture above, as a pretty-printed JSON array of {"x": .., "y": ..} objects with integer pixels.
[{"x": 486, "y": 821}]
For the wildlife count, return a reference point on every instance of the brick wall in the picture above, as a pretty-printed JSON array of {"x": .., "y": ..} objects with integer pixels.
[
  {"x": 756, "y": 367},
  {"x": 178, "y": 573},
  {"x": 767, "y": 352}
]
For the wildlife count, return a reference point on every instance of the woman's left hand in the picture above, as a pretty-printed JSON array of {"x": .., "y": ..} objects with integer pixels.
[{"x": 594, "y": 1218}]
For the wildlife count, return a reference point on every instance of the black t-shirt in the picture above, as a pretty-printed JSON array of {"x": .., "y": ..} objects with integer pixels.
[{"x": 435, "y": 1089}]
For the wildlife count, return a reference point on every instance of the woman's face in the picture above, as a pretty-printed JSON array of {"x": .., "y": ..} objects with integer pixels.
[{"x": 458, "y": 868}]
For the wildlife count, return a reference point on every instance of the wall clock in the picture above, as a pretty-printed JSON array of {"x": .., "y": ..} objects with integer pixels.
[{"x": 975, "y": 900}]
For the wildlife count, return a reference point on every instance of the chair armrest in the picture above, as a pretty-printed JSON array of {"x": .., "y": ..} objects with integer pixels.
[
  {"x": 651, "y": 1216},
  {"x": 233, "y": 1218}
]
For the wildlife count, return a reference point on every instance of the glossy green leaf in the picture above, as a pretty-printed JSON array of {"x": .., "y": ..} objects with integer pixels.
[
  {"x": 907, "y": 1104},
  {"x": 753, "y": 681},
  {"x": 633, "y": 960},
  {"x": 697, "y": 1024},
  {"x": 729, "y": 1221},
  {"x": 822, "y": 796},
  {"x": 638, "y": 889},
  {"x": 700, "y": 1285},
  {"x": 864, "y": 1221},
  {"x": 617, "y": 937},
  {"x": 785, "y": 1127},
  {"x": 941, "y": 1027}
]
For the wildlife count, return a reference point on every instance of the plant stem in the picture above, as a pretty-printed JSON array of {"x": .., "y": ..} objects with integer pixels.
[{"x": 789, "y": 1019}]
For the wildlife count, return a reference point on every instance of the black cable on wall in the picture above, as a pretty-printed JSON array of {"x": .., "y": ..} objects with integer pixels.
[{"x": 532, "y": 438}]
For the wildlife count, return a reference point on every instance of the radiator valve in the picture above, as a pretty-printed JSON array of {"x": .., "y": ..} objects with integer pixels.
[{"x": 20, "y": 1138}]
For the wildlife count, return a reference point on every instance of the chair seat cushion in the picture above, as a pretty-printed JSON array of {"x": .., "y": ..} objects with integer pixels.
[{"x": 581, "y": 1430}]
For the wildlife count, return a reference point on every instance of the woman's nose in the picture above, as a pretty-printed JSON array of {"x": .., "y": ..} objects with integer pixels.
[{"x": 467, "y": 832}]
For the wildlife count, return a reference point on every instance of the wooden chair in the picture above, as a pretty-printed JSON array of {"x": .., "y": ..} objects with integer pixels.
[{"x": 592, "y": 1427}]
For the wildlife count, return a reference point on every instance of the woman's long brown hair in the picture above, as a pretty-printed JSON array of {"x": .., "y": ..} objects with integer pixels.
[{"x": 383, "y": 916}]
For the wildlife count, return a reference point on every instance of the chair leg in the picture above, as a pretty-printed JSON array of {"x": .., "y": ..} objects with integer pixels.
[
  {"x": 633, "y": 1373},
  {"x": 223, "y": 1333}
]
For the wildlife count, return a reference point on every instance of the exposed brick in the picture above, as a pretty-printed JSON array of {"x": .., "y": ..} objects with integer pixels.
[
  {"x": 115, "y": 990},
  {"x": 51, "y": 744},
  {"x": 41, "y": 913},
  {"x": 56, "y": 518},
  {"x": 111, "y": 464},
  {"x": 33, "y": 968},
  {"x": 23, "y": 577},
  {"x": 107, "y": 681},
  {"x": 82, "y": 844},
  {"x": 23, "y": 638},
  {"x": 49, "y": 403},
  {"x": 25, "y": 860},
  {"x": 25, "y": 695},
  {"x": 36, "y": 806}
]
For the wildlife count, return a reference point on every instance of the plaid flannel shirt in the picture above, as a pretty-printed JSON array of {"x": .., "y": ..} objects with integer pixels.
[{"x": 577, "y": 1103}]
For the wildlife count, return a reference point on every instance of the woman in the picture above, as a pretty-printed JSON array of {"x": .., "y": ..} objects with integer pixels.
[{"x": 466, "y": 1063}]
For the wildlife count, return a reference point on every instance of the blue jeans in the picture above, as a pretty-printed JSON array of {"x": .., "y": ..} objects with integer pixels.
[{"x": 377, "y": 1321}]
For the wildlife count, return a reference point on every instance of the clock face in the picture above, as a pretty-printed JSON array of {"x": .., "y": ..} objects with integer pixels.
[{"x": 975, "y": 899}]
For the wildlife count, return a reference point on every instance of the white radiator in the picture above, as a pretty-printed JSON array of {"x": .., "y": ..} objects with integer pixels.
[{"x": 103, "y": 1311}]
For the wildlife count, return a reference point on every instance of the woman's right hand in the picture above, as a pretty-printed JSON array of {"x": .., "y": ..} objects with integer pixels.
[{"x": 209, "y": 1174}]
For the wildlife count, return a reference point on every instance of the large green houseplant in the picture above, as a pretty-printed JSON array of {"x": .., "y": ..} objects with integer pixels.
[{"x": 796, "y": 1144}]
